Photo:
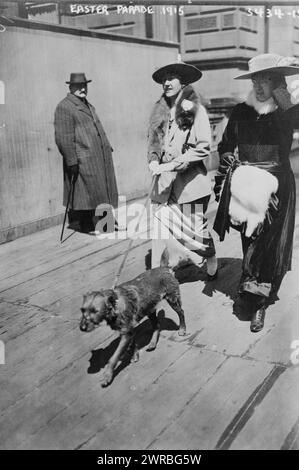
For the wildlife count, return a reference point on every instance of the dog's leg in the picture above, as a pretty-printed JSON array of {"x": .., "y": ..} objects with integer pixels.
[
  {"x": 156, "y": 327},
  {"x": 132, "y": 350},
  {"x": 135, "y": 355},
  {"x": 109, "y": 369},
  {"x": 176, "y": 304}
]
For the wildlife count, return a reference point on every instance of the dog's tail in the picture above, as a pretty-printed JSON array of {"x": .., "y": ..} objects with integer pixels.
[{"x": 164, "y": 262}]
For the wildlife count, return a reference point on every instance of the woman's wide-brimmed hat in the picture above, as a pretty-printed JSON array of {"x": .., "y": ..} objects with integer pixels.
[
  {"x": 188, "y": 73},
  {"x": 270, "y": 63},
  {"x": 77, "y": 78}
]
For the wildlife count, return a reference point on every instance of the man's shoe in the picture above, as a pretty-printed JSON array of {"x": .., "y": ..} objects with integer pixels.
[
  {"x": 74, "y": 225},
  {"x": 87, "y": 228},
  {"x": 257, "y": 321}
]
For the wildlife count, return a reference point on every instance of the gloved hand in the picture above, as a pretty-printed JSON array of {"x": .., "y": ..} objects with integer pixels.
[
  {"x": 226, "y": 161},
  {"x": 281, "y": 94},
  {"x": 279, "y": 81},
  {"x": 153, "y": 166},
  {"x": 73, "y": 171},
  {"x": 218, "y": 187},
  {"x": 158, "y": 169}
]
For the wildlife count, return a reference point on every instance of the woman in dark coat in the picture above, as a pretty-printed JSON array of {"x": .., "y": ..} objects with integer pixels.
[{"x": 259, "y": 134}]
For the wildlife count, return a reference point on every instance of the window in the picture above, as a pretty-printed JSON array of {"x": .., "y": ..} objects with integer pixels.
[
  {"x": 228, "y": 20},
  {"x": 202, "y": 23},
  {"x": 248, "y": 22},
  {"x": 127, "y": 31}
]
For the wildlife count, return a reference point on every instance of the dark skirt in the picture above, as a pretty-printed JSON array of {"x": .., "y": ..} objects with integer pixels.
[{"x": 267, "y": 254}]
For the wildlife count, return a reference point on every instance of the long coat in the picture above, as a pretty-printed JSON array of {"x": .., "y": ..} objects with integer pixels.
[
  {"x": 81, "y": 139},
  {"x": 164, "y": 145}
]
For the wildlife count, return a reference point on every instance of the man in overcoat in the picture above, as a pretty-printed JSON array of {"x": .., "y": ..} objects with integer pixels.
[{"x": 87, "y": 155}]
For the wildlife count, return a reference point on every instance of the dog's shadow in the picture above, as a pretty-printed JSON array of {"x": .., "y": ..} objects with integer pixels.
[
  {"x": 100, "y": 357},
  {"x": 229, "y": 272},
  {"x": 227, "y": 281}
]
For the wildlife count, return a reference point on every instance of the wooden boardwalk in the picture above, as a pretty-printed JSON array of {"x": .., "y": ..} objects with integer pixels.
[{"x": 220, "y": 387}]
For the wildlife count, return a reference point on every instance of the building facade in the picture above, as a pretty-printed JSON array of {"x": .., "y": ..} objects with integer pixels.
[
  {"x": 43, "y": 42},
  {"x": 218, "y": 39}
]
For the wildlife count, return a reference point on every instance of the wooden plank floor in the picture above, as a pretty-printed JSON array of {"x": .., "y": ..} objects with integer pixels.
[{"x": 220, "y": 387}]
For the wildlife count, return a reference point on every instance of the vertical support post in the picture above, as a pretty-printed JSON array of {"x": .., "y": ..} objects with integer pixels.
[{"x": 266, "y": 28}]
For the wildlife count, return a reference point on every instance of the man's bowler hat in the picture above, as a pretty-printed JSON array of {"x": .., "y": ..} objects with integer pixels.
[{"x": 77, "y": 78}]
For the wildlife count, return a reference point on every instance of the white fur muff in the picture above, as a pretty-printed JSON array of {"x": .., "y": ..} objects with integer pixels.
[{"x": 251, "y": 190}]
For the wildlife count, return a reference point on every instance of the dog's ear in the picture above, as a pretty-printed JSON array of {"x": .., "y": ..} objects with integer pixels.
[
  {"x": 87, "y": 297},
  {"x": 111, "y": 298},
  {"x": 88, "y": 294},
  {"x": 164, "y": 261}
]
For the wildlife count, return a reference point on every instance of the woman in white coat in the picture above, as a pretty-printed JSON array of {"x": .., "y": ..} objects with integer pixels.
[{"x": 179, "y": 144}]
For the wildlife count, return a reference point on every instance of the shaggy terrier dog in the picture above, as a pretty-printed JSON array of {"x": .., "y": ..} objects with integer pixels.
[{"x": 126, "y": 305}]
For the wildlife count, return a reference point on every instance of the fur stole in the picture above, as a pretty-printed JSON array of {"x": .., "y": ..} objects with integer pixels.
[
  {"x": 186, "y": 108},
  {"x": 251, "y": 192},
  {"x": 261, "y": 107}
]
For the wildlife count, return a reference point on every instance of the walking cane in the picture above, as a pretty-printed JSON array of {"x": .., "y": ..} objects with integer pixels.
[
  {"x": 132, "y": 239},
  {"x": 67, "y": 206}
]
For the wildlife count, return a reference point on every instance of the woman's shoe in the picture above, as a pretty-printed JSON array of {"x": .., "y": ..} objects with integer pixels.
[
  {"x": 212, "y": 277},
  {"x": 212, "y": 268},
  {"x": 257, "y": 321}
]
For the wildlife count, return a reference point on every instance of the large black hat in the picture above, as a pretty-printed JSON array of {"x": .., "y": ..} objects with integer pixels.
[{"x": 187, "y": 72}]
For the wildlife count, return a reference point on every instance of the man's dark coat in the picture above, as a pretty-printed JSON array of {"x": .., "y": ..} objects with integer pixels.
[{"x": 82, "y": 140}]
